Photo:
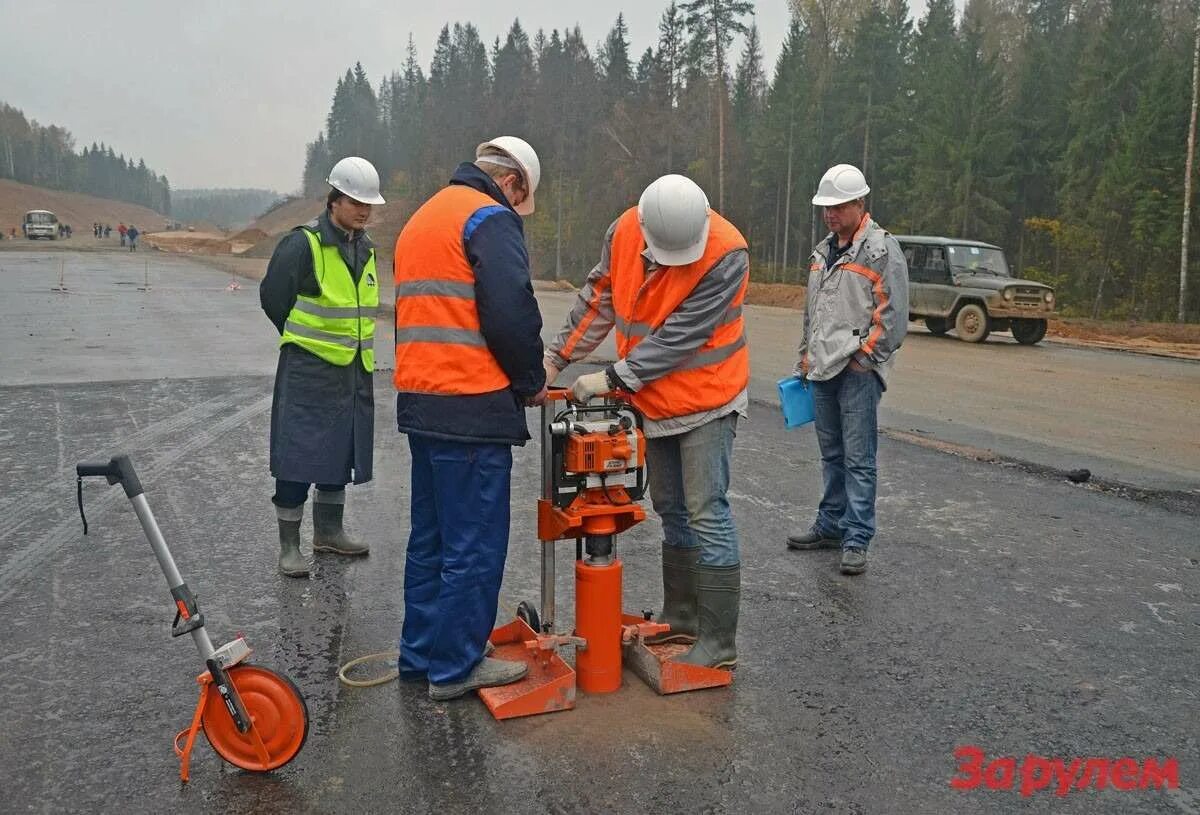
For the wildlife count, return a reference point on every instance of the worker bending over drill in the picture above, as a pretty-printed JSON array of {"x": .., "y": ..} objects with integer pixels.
[
  {"x": 468, "y": 360},
  {"x": 671, "y": 279}
]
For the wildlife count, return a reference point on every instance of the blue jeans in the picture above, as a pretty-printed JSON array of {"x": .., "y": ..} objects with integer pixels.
[
  {"x": 456, "y": 551},
  {"x": 688, "y": 478},
  {"x": 847, "y": 422}
]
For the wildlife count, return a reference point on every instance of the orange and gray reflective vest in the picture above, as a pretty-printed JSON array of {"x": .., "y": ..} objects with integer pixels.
[
  {"x": 340, "y": 321},
  {"x": 720, "y": 368},
  {"x": 439, "y": 346}
]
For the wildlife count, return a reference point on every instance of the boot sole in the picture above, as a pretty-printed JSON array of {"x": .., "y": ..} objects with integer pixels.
[
  {"x": 448, "y": 695},
  {"x": 824, "y": 543},
  {"x": 336, "y": 551},
  {"x": 294, "y": 573},
  {"x": 685, "y": 638},
  {"x": 853, "y": 569}
]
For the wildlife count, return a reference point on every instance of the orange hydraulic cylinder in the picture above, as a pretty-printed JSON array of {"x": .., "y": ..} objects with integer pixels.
[{"x": 598, "y": 621}]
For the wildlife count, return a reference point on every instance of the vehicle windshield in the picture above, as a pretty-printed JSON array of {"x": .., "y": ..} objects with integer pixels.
[
  {"x": 977, "y": 260},
  {"x": 40, "y": 218}
]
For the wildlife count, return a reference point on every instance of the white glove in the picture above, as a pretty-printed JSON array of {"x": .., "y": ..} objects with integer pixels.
[{"x": 589, "y": 386}]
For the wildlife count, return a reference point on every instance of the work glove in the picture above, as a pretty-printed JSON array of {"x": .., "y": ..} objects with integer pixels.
[{"x": 589, "y": 386}]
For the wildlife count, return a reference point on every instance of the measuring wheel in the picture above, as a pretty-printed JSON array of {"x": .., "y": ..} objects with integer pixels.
[
  {"x": 277, "y": 710},
  {"x": 526, "y": 612}
]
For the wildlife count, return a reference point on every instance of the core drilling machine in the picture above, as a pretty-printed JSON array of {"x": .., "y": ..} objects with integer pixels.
[{"x": 593, "y": 476}]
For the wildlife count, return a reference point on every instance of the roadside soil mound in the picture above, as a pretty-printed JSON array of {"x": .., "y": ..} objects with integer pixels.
[
  {"x": 76, "y": 209},
  {"x": 209, "y": 243},
  {"x": 289, "y": 214}
]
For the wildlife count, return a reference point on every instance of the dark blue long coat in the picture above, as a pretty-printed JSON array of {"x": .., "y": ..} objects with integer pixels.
[{"x": 322, "y": 415}]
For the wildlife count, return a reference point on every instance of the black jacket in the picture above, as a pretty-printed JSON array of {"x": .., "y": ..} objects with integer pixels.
[
  {"x": 291, "y": 272},
  {"x": 510, "y": 322}
]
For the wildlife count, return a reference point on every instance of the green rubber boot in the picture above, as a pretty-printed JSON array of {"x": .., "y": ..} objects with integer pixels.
[
  {"x": 328, "y": 533},
  {"x": 679, "y": 595},
  {"x": 718, "y": 595},
  {"x": 291, "y": 562}
]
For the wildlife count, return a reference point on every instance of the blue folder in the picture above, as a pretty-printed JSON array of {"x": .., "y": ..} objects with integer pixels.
[{"x": 795, "y": 397}]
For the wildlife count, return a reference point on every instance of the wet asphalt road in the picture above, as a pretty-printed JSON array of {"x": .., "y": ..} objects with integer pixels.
[{"x": 1002, "y": 609}]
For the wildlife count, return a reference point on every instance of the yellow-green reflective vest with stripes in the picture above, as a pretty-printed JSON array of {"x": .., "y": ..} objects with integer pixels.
[{"x": 341, "y": 320}]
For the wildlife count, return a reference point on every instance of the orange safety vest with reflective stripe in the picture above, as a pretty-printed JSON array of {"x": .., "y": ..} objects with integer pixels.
[
  {"x": 720, "y": 368},
  {"x": 439, "y": 347}
]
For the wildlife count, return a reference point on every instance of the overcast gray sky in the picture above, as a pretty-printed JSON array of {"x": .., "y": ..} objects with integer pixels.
[{"x": 226, "y": 94}]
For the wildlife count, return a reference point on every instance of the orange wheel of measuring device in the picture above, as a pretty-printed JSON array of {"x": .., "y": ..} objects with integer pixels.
[{"x": 278, "y": 713}]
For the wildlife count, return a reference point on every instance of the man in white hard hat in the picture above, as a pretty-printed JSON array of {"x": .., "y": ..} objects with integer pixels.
[
  {"x": 321, "y": 291},
  {"x": 671, "y": 279},
  {"x": 855, "y": 318},
  {"x": 468, "y": 359}
]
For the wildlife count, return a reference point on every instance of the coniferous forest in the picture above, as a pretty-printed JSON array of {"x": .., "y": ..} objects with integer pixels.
[
  {"x": 44, "y": 155},
  {"x": 1055, "y": 128}
]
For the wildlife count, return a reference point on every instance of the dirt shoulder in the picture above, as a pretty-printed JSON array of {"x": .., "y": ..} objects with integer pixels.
[{"x": 1159, "y": 339}]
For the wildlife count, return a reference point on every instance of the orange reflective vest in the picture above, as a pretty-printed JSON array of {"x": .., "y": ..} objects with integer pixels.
[
  {"x": 439, "y": 347},
  {"x": 720, "y": 368}
]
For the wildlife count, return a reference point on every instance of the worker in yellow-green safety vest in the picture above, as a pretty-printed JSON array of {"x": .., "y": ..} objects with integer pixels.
[{"x": 321, "y": 291}]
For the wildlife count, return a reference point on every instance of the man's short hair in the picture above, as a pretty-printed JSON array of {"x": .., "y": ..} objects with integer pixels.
[
  {"x": 496, "y": 163},
  {"x": 334, "y": 195}
]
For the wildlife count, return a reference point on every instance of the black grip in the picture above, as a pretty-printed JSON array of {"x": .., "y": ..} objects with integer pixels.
[
  {"x": 86, "y": 470},
  {"x": 118, "y": 469}
]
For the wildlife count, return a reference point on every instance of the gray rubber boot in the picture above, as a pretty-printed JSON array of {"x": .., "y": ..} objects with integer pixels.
[
  {"x": 718, "y": 595},
  {"x": 488, "y": 673},
  {"x": 328, "y": 533},
  {"x": 291, "y": 562},
  {"x": 679, "y": 595}
]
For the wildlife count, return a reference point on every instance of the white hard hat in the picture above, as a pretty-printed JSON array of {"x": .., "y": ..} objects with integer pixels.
[
  {"x": 522, "y": 158},
  {"x": 841, "y": 183},
  {"x": 673, "y": 214},
  {"x": 357, "y": 178}
]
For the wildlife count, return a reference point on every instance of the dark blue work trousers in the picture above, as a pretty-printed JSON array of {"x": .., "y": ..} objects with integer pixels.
[{"x": 456, "y": 550}]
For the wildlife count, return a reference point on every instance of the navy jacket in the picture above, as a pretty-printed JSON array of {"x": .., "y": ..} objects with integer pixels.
[{"x": 494, "y": 242}]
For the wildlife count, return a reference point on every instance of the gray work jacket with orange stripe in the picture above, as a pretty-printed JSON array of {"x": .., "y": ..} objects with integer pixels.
[
  {"x": 665, "y": 348},
  {"x": 857, "y": 308}
]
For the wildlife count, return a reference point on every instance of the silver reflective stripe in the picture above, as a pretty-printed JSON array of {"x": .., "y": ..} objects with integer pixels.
[
  {"x": 332, "y": 312},
  {"x": 714, "y": 356},
  {"x": 311, "y": 333},
  {"x": 451, "y": 336},
  {"x": 644, "y": 329},
  {"x": 440, "y": 288},
  {"x": 632, "y": 329},
  {"x": 368, "y": 344}
]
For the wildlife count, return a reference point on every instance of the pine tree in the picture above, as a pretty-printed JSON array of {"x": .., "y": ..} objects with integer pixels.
[{"x": 713, "y": 24}]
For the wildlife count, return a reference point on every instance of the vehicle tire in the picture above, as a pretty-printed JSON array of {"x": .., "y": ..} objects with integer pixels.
[
  {"x": 937, "y": 325},
  {"x": 1028, "y": 332},
  {"x": 972, "y": 323},
  {"x": 527, "y": 612}
]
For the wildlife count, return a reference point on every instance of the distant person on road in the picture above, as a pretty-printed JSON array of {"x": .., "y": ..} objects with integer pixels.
[
  {"x": 855, "y": 319},
  {"x": 468, "y": 360},
  {"x": 132, "y": 235},
  {"x": 108, "y": 230},
  {"x": 321, "y": 291},
  {"x": 671, "y": 280},
  {"x": 121, "y": 230}
]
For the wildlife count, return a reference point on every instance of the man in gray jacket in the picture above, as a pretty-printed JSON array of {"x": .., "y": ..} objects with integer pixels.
[{"x": 855, "y": 318}]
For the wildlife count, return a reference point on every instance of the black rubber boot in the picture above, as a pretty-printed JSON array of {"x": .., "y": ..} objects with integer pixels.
[
  {"x": 291, "y": 562},
  {"x": 718, "y": 596},
  {"x": 328, "y": 533},
  {"x": 679, "y": 595}
]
